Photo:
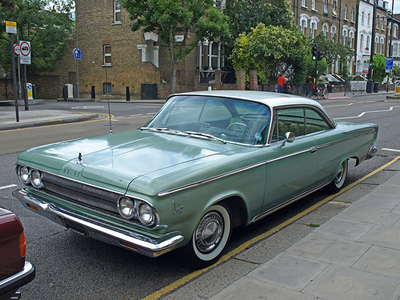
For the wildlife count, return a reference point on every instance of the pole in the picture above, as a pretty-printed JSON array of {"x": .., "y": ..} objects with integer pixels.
[
  {"x": 77, "y": 72},
  {"x": 14, "y": 77},
  {"x": 390, "y": 45},
  {"x": 316, "y": 65},
  {"x": 19, "y": 72},
  {"x": 370, "y": 81}
]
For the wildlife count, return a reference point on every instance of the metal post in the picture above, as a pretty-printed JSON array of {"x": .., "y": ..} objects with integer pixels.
[
  {"x": 370, "y": 81},
  {"x": 390, "y": 45},
  {"x": 14, "y": 77},
  {"x": 77, "y": 72},
  {"x": 19, "y": 71}
]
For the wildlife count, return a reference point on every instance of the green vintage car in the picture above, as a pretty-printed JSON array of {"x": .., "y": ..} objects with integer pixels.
[{"x": 205, "y": 163}]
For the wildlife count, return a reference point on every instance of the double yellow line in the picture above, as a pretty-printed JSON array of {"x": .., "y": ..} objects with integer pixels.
[{"x": 256, "y": 239}]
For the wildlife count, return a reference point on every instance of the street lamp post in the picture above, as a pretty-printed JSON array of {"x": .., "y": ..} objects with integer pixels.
[
  {"x": 5, "y": 83},
  {"x": 370, "y": 82}
]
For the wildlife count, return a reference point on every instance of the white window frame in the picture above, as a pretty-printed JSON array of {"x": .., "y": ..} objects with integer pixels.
[
  {"x": 345, "y": 12},
  {"x": 334, "y": 9},
  {"x": 352, "y": 15},
  {"x": 117, "y": 12},
  {"x": 106, "y": 55},
  {"x": 313, "y": 5}
]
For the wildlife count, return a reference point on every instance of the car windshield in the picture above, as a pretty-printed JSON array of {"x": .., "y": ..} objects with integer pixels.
[{"x": 225, "y": 119}]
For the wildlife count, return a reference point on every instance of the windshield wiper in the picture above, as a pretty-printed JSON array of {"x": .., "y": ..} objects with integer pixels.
[
  {"x": 204, "y": 135},
  {"x": 167, "y": 130}
]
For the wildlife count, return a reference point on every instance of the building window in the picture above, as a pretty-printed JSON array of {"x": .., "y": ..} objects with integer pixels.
[
  {"x": 117, "y": 11},
  {"x": 362, "y": 43},
  {"x": 325, "y": 30},
  {"x": 333, "y": 33},
  {"x": 344, "y": 36},
  {"x": 334, "y": 9},
  {"x": 351, "y": 38},
  {"x": 303, "y": 26},
  {"x": 313, "y": 4},
  {"x": 325, "y": 6},
  {"x": 394, "y": 54},
  {"x": 107, "y": 55},
  {"x": 313, "y": 29},
  {"x": 303, "y": 3},
  {"x": 362, "y": 17},
  {"x": 369, "y": 19},
  {"x": 368, "y": 43},
  {"x": 395, "y": 30},
  {"x": 352, "y": 15},
  {"x": 345, "y": 12}
]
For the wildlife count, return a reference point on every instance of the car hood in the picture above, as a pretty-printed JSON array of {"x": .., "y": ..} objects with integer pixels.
[{"x": 119, "y": 158}]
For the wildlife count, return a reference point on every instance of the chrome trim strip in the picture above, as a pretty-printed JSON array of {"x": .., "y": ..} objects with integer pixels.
[
  {"x": 286, "y": 203},
  {"x": 312, "y": 150},
  {"x": 342, "y": 140},
  {"x": 197, "y": 183},
  {"x": 146, "y": 245}
]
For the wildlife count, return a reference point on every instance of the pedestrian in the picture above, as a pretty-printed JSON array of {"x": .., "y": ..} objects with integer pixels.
[
  {"x": 281, "y": 82},
  {"x": 308, "y": 84}
]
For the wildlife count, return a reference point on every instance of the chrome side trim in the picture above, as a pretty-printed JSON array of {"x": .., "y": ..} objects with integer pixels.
[
  {"x": 101, "y": 231},
  {"x": 288, "y": 202},
  {"x": 197, "y": 183},
  {"x": 342, "y": 140}
]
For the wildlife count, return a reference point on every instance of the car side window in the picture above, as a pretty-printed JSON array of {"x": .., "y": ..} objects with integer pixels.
[
  {"x": 300, "y": 121},
  {"x": 315, "y": 122},
  {"x": 286, "y": 120}
]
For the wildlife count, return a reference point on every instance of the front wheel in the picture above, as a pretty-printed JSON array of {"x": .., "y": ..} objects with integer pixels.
[
  {"x": 340, "y": 177},
  {"x": 210, "y": 237}
]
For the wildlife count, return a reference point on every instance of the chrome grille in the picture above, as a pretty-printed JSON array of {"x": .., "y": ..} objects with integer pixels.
[{"x": 80, "y": 193}]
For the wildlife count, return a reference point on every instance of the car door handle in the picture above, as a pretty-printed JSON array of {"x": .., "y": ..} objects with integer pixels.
[{"x": 314, "y": 149}]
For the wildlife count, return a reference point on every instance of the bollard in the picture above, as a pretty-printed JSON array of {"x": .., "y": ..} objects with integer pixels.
[
  {"x": 128, "y": 96},
  {"x": 93, "y": 92}
]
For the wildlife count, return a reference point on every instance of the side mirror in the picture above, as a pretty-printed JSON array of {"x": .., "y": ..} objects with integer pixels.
[{"x": 289, "y": 137}]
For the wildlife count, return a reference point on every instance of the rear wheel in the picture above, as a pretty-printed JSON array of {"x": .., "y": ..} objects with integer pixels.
[
  {"x": 210, "y": 237},
  {"x": 340, "y": 177}
]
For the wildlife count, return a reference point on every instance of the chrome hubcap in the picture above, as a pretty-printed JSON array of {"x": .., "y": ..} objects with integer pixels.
[{"x": 209, "y": 232}]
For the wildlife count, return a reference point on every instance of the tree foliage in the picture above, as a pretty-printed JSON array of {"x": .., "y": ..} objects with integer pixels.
[
  {"x": 196, "y": 20},
  {"x": 47, "y": 28},
  {"x": 378, "y": 67},
  {"x": 246, "y": 14},
  {"x": 270, "y": 50},
  {"x": 332, "y": 51}
]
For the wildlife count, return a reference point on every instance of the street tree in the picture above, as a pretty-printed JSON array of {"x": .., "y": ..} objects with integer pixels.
[
  {"x": 270, "y": 50},
  {"x": 196, "y": 20},
  {"x": 378, "y": 67},
  {"x": 46, "y": 26},
  {"x": 332, "y": 52},
  {"x": 246, "y": 14}
]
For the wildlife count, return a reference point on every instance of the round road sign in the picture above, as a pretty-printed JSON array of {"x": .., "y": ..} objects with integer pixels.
[
  {"x": 25, "y": 48},
  {"x": 17, "y": 49}
]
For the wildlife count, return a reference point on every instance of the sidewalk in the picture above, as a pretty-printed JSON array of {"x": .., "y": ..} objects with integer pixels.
[{"x": 352, "y": 255}]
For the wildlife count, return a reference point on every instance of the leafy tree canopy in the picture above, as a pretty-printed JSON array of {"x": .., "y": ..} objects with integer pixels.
[
  {"x": 270, "y": 50},
  {"x": 246, "y": 14},
  {"x": 47, "y": 28},
  {"x": 331, "y": 51},
  {"x": 197, "y": 19},
  {"x": 378, "y": 67}
]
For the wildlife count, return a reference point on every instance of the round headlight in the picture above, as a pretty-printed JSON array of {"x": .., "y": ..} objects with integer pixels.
[
  {"x": 146, "y": 214},
  {"x": 23, "y": 174},
  {"x": 36, "y": 179},
  {"x": 126, "y": 207}
]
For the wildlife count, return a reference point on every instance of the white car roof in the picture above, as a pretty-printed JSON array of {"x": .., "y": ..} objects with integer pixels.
[{"x": 268, "y": 98}]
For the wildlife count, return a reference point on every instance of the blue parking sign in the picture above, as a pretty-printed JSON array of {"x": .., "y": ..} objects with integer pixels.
[
  {"x": 77, "y": 53},
  {"x": 389, "y": 64}
]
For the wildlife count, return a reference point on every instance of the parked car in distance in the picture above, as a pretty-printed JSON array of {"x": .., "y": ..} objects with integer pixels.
[
  {"x": 205, "y": 163},
  {"x": 15, "y": 271}
]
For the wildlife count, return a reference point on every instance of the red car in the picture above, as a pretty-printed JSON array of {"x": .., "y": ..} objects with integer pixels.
[{"x": 14, "y": 270}]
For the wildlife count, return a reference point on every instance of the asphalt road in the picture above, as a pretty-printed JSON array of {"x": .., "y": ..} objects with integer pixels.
[{"x": 70, "y": 266}]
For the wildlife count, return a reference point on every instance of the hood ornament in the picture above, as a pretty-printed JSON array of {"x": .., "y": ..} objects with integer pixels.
[{"x": 80, "y": 162}]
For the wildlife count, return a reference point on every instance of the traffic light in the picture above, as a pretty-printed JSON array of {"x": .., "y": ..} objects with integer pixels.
[
  {"x": 319, "y": 56},
  {"x": 314, "y": 52}
]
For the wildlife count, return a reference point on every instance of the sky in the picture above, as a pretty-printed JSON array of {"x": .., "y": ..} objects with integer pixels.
[{"x": 396, "y": 6}]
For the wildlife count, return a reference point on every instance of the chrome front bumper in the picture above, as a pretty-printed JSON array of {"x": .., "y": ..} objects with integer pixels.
[
  {"x": 134, "y": 241},
  {"x": 372, "y": 151}
]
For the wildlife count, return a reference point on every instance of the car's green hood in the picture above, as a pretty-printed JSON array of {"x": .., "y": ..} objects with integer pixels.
[{"x": 117, "y": 159}]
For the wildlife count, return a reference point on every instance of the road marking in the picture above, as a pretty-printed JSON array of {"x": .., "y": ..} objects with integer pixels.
[
  {"x": 368, "y": 112},
  {"x": 392, "y": 150},
  {"x": 7, "y": 186},
  {"x": 193, "y": 275}
]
